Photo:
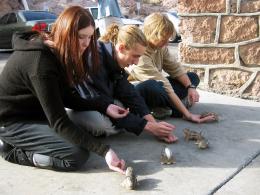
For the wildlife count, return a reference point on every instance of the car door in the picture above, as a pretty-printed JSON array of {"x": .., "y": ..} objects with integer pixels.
[
  {"x": 11, "y": 23},
  {"x": 4, "y": 32}
]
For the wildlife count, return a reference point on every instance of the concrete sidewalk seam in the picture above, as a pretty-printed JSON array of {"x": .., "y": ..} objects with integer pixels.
[{"x": 240, "y": 168}]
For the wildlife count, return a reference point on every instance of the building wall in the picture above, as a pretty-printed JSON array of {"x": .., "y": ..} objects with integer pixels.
[{"x": 221, "y": 42}]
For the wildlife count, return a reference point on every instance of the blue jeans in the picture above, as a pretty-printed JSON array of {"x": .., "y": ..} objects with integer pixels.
[{"x": 155, "y": 95}]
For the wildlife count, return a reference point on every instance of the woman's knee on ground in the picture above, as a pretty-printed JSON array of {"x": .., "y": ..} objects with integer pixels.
[
  {"x": 72, "y": 162},
  {"x": 93, "y": 122}
]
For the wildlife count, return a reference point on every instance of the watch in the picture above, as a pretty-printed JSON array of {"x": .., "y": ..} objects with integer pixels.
[{"x": 191, "y": 86}]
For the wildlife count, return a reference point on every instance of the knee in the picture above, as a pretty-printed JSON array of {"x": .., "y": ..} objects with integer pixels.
[
  {"x": 194, "y": 78},
  {"x": 73, "y": 162},
  {"x": 76, "y": 160},
  {"x": 151, "y": 88}
]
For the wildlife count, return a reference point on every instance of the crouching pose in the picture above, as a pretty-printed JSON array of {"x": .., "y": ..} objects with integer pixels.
[
  {"x": 35, "y": 86},
  {"x": 119, "y": 48},
  {"x": 177, "y": 91}
]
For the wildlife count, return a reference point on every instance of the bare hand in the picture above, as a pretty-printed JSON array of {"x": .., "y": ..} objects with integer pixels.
[
  {"x": 198, "y": 119},
  {"x": 193, "y": 96},
  {"x": 115, "y": 111},
  {"x": 169, "y": 139},
  {"x": 150, "y": 118},
  {"x": 114, "y": 163},
  {"x": 159, "y": 129}
]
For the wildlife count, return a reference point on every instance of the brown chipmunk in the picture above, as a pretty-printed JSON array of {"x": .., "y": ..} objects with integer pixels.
[
  {"x": 190, "y": 135},
  {"x": 130, "y": 181},
  {"x": 201, "y": 142},
  {"x": 167, "y": 157}
]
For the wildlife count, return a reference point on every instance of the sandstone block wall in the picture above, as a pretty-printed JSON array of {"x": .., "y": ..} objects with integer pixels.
[{"x": 221, "y": 42}]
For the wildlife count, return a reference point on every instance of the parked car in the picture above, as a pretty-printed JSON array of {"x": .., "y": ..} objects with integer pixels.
[
  {"x": 126, "y": 21},
  {"x": 23, "y": 20},
  {"x": 174, "y": 18}
]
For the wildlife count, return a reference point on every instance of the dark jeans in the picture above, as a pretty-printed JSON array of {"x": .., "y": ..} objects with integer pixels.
[
  {"x": 155, "y": 95},
  {"x": 26, "y": 139}
]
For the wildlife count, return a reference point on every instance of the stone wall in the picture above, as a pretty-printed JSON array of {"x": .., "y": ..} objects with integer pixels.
[{"x": 221, "y": 42}]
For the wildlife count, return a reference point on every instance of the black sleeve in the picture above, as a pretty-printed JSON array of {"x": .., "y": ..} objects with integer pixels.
[
  {"x": 73, "y": 101},
  {"x": 129, "y": 96},
  {"x": 48, "y": 93},
  {"x": 132, "y": 123}
]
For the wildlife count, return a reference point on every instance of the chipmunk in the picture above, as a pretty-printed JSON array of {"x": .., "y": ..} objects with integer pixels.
[
  {"x": 130, "y": 181},
  {"x": 190, "y": 135},
  {"x": 202, "y": 143},
  {"x": 167, "y": 157}
]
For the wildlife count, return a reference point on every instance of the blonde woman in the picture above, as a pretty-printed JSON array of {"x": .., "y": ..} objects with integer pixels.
[
  {"x": 108, "y": 13},
  {"x": 118, "y": 49},
  {"x": 158, "y": 90}
]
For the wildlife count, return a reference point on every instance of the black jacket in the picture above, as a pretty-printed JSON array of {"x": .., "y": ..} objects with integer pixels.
[
  {"x": 112, "y": 82},
  {"x": 33, "y": 86}
]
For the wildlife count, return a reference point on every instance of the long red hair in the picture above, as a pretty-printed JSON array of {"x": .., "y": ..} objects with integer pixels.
[{"x": 64, "y": 35}]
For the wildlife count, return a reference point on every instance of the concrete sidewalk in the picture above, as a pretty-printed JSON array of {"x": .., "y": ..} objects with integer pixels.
[{"x": 230, "y": 166}]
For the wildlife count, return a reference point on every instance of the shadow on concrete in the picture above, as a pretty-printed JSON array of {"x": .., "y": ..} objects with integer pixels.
[
  {"x": 232, "y": 140},
  {"x": 148, "y": 185}
]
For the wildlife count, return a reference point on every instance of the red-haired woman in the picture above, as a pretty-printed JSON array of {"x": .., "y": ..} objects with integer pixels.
[{"x": 35, "y": 87}]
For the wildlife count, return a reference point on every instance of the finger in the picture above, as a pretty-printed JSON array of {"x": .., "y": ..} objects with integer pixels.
[
  {"x": 167, "y": 125},
  {"x": 163, "y": 133},
  {"x": 197, "y": 98},
  {"x": 173, "y": 138},
  {"x": 192, "y": 100},
  {"x": 168, "y": 128},
  {"x": 117, "y": 169},
  {"x": 169, "y": 139},
  {"x": 122, "y": 163},
  {"x": 119, "y": 163},
  {"x": 121, "y": 110},
  {"x": 124, "y": 111},
  {"x": 123, "y": 114},
  {"x": 207, "y": 118},
  {"x": 116, "y": 116},
  {"x": 189, "y": 99}
]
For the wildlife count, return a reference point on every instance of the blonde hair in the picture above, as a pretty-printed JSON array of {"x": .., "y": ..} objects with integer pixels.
[
  {"x": 129, "y": 35},
  {"x": 157, "y": 27}
]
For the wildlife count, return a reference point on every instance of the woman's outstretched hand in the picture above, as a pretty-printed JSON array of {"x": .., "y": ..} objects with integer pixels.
[
  {"x": 115, "y": 111},
  {"x": 114, "y": 163}
]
